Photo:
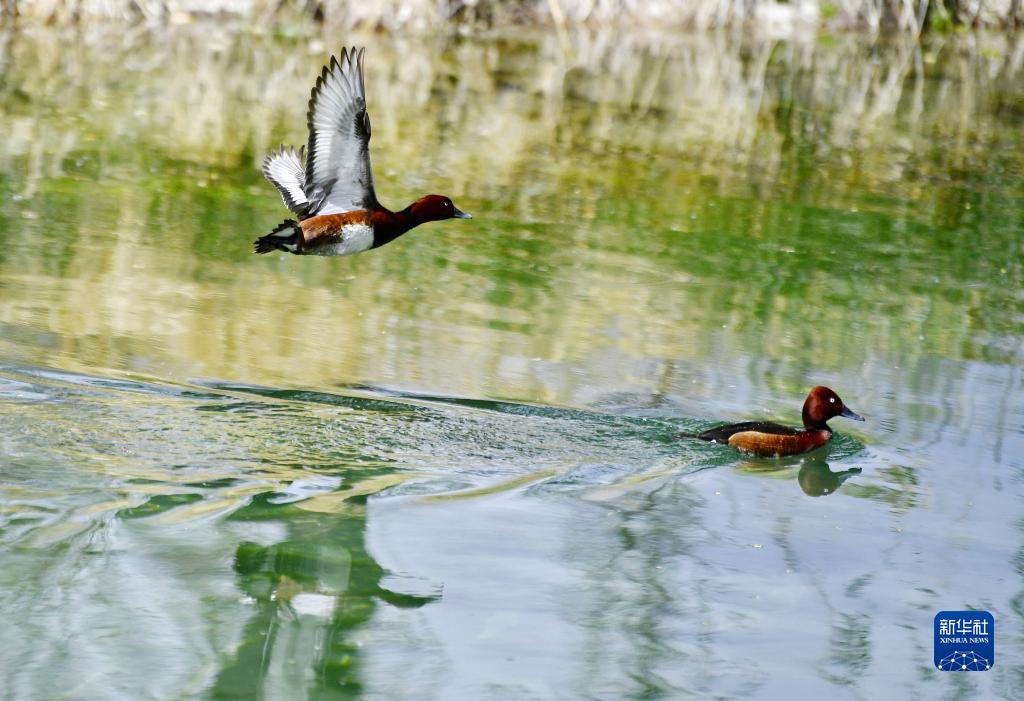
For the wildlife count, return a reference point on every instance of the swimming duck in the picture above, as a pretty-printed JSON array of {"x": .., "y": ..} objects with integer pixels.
[
  {"x": 330, "y": 186},
  {"x": 767, "y": 439}
]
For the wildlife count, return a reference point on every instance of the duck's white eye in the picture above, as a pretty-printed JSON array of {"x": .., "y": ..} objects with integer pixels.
[{"x": 831, "y": 400}]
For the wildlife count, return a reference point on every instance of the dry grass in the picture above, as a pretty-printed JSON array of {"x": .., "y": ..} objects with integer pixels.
[{"x": 785, "y": 18}]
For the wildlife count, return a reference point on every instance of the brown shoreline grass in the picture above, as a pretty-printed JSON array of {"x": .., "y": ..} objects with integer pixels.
[{"x": 777, "y": 18}]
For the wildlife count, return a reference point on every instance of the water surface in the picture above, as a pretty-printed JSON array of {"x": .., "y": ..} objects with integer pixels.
[{"x": 448, "y": 469}]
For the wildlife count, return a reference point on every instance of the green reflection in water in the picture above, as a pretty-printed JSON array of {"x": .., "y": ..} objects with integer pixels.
[
  {"x": 667, "y": 227},
  {"x": 311, "y": 592},
  {"x": 822, "y": 209}
]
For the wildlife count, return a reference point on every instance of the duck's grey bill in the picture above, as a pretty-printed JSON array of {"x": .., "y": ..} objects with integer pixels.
[
  {"x": 850, "y": 415},
  {"x": 459, "y": 214}
]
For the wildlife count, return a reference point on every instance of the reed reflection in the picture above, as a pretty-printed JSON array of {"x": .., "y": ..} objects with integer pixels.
[{"x": 311, "y": 591}]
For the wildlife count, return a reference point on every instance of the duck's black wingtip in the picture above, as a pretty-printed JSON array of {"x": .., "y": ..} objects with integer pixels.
[{"x": 284, "y": 237}]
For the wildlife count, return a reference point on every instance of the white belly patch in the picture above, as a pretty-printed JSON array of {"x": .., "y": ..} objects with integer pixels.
[{"x": 355, "y": 238}]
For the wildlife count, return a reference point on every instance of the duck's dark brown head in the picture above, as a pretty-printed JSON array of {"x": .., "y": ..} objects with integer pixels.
[
  {"x": 821, "y": 405},
  {"x": 435, "y": 208}
]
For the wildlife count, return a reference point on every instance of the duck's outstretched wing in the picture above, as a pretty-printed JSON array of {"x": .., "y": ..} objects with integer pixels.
[
  {"x": 283, "y": 167},
  {"x": 338, "y": 174}
]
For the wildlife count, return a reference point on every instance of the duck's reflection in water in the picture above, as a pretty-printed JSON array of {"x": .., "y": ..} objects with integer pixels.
[
  {"x": 815, "y": 477},
  {"x": 818, "y": 480}
]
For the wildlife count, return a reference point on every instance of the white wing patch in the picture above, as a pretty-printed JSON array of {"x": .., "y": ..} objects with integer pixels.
[
  {"x": 284, "y": 169},
  {"x": 355, "y": 238}
]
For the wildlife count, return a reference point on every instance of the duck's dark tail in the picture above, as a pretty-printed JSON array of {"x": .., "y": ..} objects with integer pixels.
[{"x": 284, "y": 237}]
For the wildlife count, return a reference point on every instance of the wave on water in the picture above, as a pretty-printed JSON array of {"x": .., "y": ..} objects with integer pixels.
[{"x": 208, "y": 447}]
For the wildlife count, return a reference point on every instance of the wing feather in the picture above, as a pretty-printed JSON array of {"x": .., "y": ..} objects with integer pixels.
[
  {"x": 338, "y": 174},
  {"x": 722, "y": 434},
  {"x": 283, "y": 168}
]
